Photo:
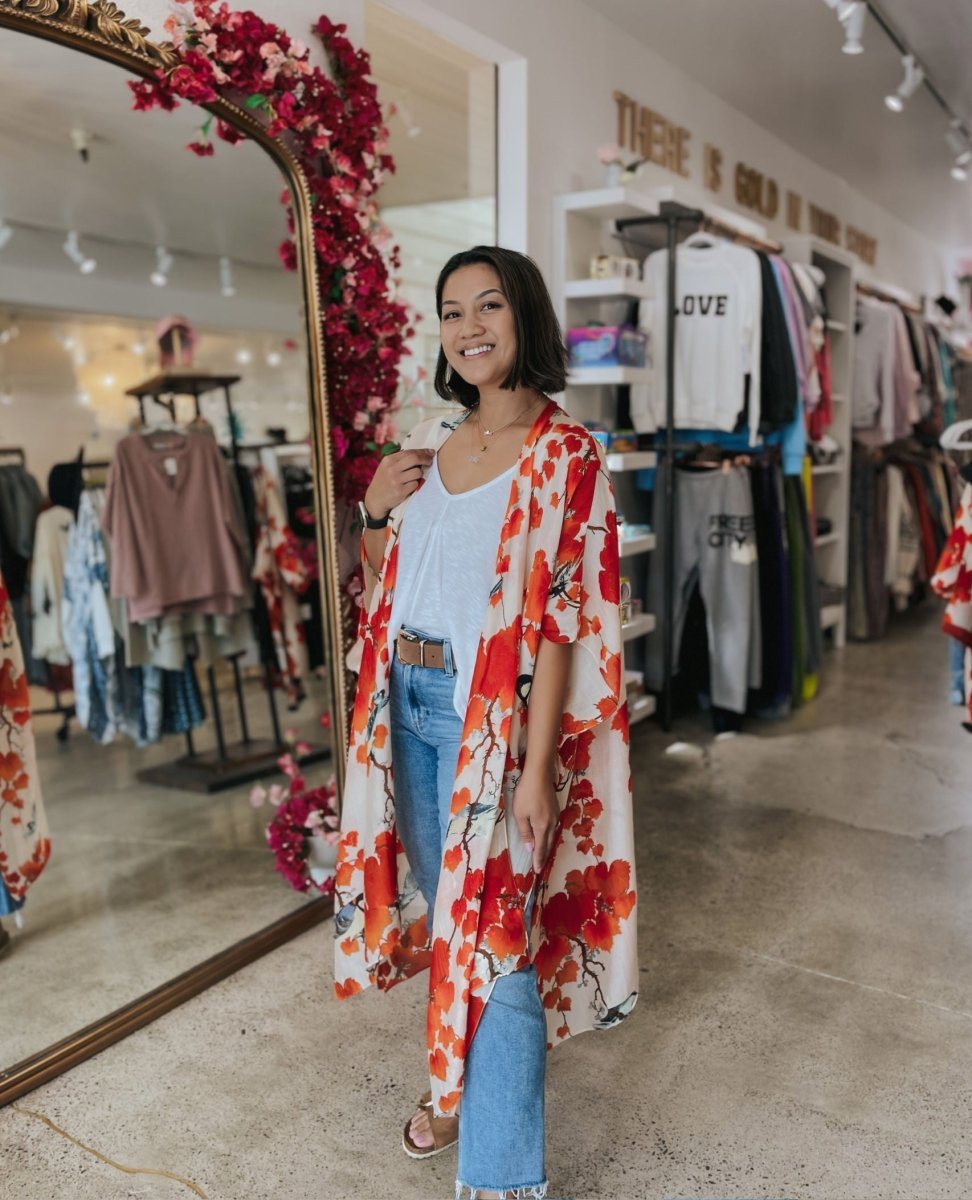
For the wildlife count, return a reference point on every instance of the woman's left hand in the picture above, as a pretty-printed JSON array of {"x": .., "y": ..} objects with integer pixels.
[{"x": 536, "y": 812}]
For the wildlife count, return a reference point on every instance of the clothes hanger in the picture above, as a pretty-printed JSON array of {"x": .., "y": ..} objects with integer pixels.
[
  {"x": 953, "y": 439},
  {"x": 703, "y": 240}
]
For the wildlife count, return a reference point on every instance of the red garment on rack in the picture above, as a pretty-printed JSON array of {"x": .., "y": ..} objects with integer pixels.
[{"x": 822, "y": 417}]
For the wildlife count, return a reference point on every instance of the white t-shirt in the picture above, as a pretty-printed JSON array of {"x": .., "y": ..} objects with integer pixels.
[
  {"x": 717, "y": 342},
  {"x": 447, "y": 567}
]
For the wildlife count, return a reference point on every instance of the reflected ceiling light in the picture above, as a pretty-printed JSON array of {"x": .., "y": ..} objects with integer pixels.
[
  {"x": 274, "y": 359},
  {"x": 163, "y": 265},
  {"x": 6, "y": 397},
  {"x": 84, "y": 399},
  {"x": 412, "y": 130},
  {"x": 244, "y": 356},
  {"x": 852, "y": 14},
  {"x": 137, "y": 348},
  {"x": 6, "y": 233},
  {"x": 913, "y": 77},
  {"x": 226, "y": 284},
  {"x": 72, "y": 248},
  {"x": 108, "y": 381}
]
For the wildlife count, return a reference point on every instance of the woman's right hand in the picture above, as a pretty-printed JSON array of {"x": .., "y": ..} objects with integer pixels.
[{"x": 397, "y": 477}]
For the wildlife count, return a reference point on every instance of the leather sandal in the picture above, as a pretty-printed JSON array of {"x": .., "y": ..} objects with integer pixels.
[{"x": 445, "y": 1132}]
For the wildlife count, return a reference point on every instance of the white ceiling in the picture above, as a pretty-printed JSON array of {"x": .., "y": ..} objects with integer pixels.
[
  {"x": 141, "y": 185},
  {"x": 779, "y": 62}
]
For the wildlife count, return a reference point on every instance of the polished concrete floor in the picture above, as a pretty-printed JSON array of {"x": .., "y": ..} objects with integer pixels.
[
  {"x": 143, "y": 881},
  {"x": 805, "y": 1028}
]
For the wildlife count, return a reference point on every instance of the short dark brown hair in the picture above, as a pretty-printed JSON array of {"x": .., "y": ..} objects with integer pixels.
[{"x": 541, "y": 356}]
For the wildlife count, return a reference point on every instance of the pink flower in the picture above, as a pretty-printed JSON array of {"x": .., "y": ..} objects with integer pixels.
[
  {"x": 608, "y": 153},
  {"x": 302, "y": 749},
  {"x": 325, "y": 721},
  {"x": 276, "y": 794},
  {"x": 258, "y": 795}
]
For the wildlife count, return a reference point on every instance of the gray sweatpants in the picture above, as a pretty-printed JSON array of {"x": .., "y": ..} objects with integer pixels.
[{"x": 715, "y": 545}]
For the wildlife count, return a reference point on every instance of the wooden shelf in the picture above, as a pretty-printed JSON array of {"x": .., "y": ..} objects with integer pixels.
[
  {"x": 642, "y": 707},
  {"x": 637, "y": 545},
  {"x": 827, "y": 469},
  {"x": 827, "y": 539},
  {"x": 638, "y": 627},
  {"x": 606, "y": 289},
  {"x": 632, "y": 460},
  {"x": 837, "y": 326},
  {"x": 596, "y": 376},
  {"x": 610, "y": 203}
]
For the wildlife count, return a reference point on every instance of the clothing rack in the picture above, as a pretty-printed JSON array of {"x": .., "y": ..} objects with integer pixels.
[
  {"x": 227, "y": 765},
  {"x": 163, "y": 390},
  {"x": 671, "y": 217},
  {"x": 890, "y": 295}
]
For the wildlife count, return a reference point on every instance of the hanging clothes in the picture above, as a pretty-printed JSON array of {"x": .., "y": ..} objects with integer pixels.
[
  {"x": 47, "y": 584},
  {"x": 718, "y": 339},
  {"x": 25, "y": 845},
  {"x": 715, "y": 546},
  {"x": 281, "y": 571},
  {"x": 556, "y": 579},
  {"x": 167, "y": 493},
  {"x": 952, "y": 581}
]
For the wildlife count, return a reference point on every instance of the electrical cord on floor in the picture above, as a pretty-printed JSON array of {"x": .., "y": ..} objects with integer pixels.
[{"x": 27, "y": 1112}]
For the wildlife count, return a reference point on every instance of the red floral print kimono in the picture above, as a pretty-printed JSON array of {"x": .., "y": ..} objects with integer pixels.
[
  {"x": 282, "y": 575},
  {"x": 953, "y": 582},
  {"x": 556, "y": 577},
  {"x": 24, "y": 843}
]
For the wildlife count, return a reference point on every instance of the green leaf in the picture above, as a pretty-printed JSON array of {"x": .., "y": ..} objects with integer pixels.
[
  {"x": 206, "y": 127},
  {"x": 390, "y": 448},
  {"x": 256, "y": 101}
]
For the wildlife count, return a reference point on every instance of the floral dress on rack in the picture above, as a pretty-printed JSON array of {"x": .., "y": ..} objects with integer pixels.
[
  {"x": 25, "y": 845},
  {"x": 556, "y": 577}
]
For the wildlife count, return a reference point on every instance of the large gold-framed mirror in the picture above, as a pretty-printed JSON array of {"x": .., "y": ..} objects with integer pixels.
[{"x": 136, "y": 825}]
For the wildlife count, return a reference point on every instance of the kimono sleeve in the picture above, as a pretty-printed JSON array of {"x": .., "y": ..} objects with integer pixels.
[{"x": 583, "y": 600}]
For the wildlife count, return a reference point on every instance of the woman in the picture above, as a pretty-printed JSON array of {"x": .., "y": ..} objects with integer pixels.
[{"x": 496, "y": 854}]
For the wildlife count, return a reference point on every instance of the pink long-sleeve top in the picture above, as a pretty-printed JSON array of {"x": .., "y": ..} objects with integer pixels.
[{"x": 176, "y": 542}]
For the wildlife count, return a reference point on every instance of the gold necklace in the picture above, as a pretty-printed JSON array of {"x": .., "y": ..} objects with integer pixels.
[{"x": 484, "y": 432}]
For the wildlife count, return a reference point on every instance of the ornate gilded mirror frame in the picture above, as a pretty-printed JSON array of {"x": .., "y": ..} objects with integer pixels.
[{"x": 100, "y": 28}]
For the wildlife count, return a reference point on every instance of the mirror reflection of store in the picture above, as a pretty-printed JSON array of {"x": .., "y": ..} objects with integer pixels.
[{"x": 172, "y": 634}]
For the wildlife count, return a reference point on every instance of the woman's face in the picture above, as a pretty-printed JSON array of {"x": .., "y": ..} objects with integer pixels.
[{"x": 476, "y": 326}]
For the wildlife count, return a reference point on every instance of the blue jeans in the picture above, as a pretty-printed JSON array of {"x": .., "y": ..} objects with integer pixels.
[{"x": 501, "y": 1140}]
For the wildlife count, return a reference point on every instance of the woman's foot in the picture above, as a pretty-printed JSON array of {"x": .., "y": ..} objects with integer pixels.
[{"x": 426, "y": 1134}]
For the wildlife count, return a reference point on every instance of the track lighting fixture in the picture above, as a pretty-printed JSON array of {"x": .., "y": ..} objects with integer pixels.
[
  {"x": 226, "y": 284},
  {"x": 958, "y": 142},
  {"x": 6, "y": 233},
  {"x": 81, "y": 141},
  {"x": 852, "y": 14},
  {"x": 72, "y": 248},
  {"x": 163, "y": 265},
  {"x": 913, "y": 78}
]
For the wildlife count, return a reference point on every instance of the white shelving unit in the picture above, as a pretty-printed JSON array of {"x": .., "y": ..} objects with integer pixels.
[
  {"x": 831, "y": 481},
  {"x": 582, "y": 225}
]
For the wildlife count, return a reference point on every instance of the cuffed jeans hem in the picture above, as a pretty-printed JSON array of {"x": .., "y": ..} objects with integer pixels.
[{"x": 525, "y": 1191}]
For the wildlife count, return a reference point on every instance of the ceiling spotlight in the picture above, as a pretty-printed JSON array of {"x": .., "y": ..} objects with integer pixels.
[
  {"x": 81, "y": 141},
  {"x": 913, "y": 77},
  {"x": 226, "y": 284},
  {"x": 274, "y": 359},
  {"x": 958, "y": 172},
  {"x": 244, "y": 356},
  {"x": 72, "y": 248},
  {"x": 852, "y": 14},
  {"x": 412, "y": 130},
  {"x": 163, "y": 265},
  {"x": 6, "y": 233}
]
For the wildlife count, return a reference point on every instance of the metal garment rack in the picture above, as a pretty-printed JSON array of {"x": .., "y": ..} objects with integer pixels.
[
  {"x": 227, "y": 765},
  {"x": 671, "y": 216},
  {"x": 64, "y": 711}
]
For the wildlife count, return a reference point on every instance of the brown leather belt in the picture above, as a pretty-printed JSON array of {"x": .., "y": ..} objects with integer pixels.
[{"x": 418, "y": 652}]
